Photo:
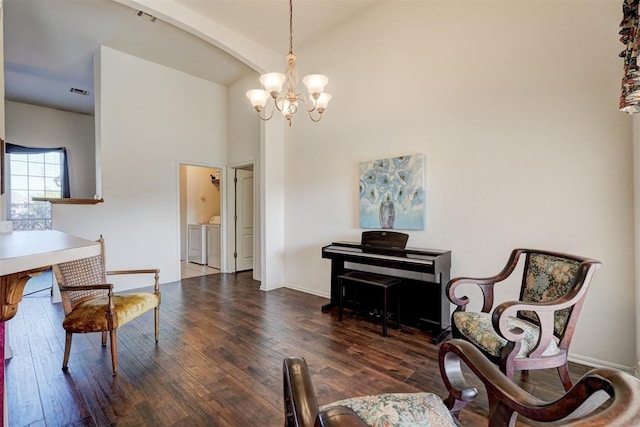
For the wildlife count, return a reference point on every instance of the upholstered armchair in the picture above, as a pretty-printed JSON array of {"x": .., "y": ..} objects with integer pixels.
[
  {"x": 602, "y": 397},
  {"x": 534, "y": 332},
  {"x": 90, "y": 305}
]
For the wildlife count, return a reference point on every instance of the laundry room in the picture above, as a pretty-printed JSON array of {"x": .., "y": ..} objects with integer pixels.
[{"x": 200, "y": 220}]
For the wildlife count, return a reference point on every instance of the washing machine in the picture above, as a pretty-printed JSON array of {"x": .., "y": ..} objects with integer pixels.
[{"x": 213, "y": 243}]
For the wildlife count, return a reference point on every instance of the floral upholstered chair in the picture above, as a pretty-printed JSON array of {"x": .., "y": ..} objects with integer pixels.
[
  {"x": 602, "y": 397},
  {"x": 90, "y": 305},
  {"x": 534, "y": 332}
]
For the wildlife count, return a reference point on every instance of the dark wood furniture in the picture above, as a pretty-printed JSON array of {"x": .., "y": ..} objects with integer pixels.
[
  {"x": 379, "y": 239},
  {"x": 608, "y": 397},
  {"x": 423, "y": 274},
  {"x": 384, "y": 283},
  {"x": 90, "y": 305},
  {"x": 534, "y": 332}
]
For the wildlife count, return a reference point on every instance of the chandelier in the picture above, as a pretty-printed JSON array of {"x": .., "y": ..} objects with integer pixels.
[{"x": 289, "y": 101}]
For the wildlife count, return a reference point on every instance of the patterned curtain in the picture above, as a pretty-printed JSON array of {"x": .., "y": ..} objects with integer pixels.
[{"x": 629, "y": 34}]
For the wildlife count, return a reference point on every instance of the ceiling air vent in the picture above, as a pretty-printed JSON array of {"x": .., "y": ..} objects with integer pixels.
[
  {"x": 146, "y": 16},
  {"x": 78, "y": 91}
]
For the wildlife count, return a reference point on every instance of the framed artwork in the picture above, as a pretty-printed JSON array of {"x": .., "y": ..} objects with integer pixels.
[{"x": 392, "y": 193}]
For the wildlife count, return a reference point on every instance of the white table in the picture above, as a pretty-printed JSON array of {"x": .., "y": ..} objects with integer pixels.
[{"x": 24, "y": 254}]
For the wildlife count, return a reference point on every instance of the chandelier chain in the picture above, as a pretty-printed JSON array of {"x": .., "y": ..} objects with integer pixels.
[{"x": 290, "y": 27}]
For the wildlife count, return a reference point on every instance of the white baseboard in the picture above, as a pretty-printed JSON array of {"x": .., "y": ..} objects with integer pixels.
[
  {"x": 307, "y": 291},
  {"x": 597, "y": 363}
]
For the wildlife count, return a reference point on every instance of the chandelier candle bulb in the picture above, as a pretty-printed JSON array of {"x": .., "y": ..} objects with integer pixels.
[
  {"x": 273, "y": 82},
  {"x": 315, "y": 84},
  {"x": 322, "y": 101},
  {"x": 258, "y": 98}
]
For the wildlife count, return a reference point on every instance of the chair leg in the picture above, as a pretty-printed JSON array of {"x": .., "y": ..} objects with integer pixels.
[
  {"x": 104, "y": 338},
  {"x": 563, "y": 371},
  {"x": 157, "y": 322},
  {"x": 67, "y": 351},
  {"x": 114, "y": 352}
]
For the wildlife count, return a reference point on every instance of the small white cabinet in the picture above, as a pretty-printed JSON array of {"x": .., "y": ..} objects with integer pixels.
[
  {"x": 203, "y": 243},
  {"x": 197, "y": 243}
]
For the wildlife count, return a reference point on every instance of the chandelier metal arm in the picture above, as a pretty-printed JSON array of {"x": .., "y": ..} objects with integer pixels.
[{"x": 263, "y": 117}]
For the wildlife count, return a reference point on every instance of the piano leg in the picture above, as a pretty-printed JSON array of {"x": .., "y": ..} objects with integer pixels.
[{"x": 337, "y": 268}]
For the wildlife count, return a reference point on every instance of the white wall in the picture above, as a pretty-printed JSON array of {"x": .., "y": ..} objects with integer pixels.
[
  {"x": 56, "y": 128},
  {"x": 151, "y": 118},
  {"x": 244, "y": 148},
  {"x": 514, "y": 105}
]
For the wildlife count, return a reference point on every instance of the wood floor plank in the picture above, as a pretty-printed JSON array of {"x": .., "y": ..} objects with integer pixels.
[{"x": 218, "y": 360}]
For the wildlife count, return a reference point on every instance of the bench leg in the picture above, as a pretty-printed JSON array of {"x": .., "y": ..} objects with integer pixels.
[
  {"x": 340, "y": 299},
  {"x": 384, "y": 312},
  {"x": 398, "y": 309}
]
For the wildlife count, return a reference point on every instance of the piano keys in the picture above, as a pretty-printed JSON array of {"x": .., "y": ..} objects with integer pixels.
[{"x": 424, "y": 274}]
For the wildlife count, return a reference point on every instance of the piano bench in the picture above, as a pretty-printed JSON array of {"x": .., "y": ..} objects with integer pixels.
[{"x": 369, "y": 279}]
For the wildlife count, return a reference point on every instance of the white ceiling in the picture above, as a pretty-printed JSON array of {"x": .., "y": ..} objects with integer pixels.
[{"x": 49, "y": 44}]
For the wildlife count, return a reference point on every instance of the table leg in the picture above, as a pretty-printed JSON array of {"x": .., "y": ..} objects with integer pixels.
[{"x": 11, "y": 289}]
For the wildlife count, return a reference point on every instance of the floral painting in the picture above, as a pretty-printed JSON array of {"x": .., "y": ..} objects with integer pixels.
[{"x": 392, "y": 193}]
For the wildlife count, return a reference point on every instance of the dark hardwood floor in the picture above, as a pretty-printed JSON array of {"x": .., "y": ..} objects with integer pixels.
[{"x": 218, "y": 362}]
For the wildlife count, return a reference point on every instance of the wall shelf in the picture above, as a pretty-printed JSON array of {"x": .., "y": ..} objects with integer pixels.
[{"x": 67, "y": 201}]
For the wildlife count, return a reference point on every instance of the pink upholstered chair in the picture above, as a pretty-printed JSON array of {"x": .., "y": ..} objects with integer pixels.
[
  {"x": 90, "y": 305},
  {"x": 534, "y": 332}
]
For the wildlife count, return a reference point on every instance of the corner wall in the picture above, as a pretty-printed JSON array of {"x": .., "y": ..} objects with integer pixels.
[
  {"x": 514, "y": 105},
  {"x": 151, "y": 118}
]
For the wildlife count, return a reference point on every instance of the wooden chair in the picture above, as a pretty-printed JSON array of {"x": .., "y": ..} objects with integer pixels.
[
  {"x": 602, "y": 397},
  {"x": 91, "y": 306},
  {"x": 534, "y": 332}
]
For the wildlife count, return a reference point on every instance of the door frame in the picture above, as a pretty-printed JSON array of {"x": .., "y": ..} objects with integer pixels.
[
  {"x": 223, "y": 211},
  {"x": 250, "y": 165}
]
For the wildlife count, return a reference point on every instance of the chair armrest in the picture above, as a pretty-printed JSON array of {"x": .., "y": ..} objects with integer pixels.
[
  {"x": 486, "y": 284},
  {"x": 140, "y": 271},
  {"x": 107, "y": 286},
  {"x": 339, "y": 416},
  {"x": 300, "y": 403},
  {"x": 155, "y": 271},
  {"x": 545, "y": 311},
  {"x": 546, "y": 316},
  {"x": 507, "y": 398}
]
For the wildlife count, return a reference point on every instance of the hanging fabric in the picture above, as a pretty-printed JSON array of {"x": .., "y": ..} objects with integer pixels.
[{"x": 629, "y": 34}]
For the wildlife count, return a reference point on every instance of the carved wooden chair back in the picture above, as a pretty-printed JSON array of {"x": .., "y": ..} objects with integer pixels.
[{"x": 534, "y": 332}]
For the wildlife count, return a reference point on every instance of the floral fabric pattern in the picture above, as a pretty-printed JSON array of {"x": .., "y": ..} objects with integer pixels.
[
  {"x": 547, "y": 279},
  {"x": 399, "y": 410},
  {"x": 478, "y": 329}
]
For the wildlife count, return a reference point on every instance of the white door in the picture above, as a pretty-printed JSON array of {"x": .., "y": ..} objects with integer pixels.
[{"x": 244, "y": 221}]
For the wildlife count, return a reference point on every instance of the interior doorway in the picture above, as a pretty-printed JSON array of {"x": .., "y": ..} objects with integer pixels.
[
  {"x": 243, "y": 218},
  {"x": 200, "y": 220}
]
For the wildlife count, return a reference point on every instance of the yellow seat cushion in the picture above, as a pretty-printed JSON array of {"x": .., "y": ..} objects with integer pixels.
[{"x": 91, "y": 315}]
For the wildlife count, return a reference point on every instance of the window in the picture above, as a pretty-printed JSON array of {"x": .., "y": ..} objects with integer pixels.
[{"x": 33, "y": 175}]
